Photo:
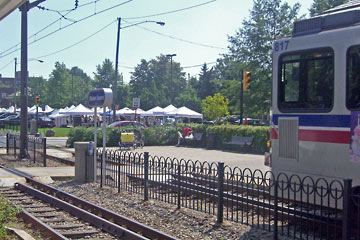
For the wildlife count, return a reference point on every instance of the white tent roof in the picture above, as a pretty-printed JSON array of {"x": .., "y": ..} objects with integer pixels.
[
  {"x": 170, "y": 108},
  {"x": 48, "y": 109},
  {"x": 79, "y": 110},
  {"x": 185, "y": 112},
  {"x": 33, "y": 111},
  {"x": 66, "y": 109},
  {"x": 156, "y": 111}
]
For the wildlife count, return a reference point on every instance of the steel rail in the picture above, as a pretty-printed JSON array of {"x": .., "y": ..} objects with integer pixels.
[
  {"x": 28, "y": 218},
  {"x": 101, "y": 223},
  {"x": 105, "y": 213}
]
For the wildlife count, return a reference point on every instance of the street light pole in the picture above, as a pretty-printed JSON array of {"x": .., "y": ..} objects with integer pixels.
[
  {"x": 116, "y": 69},
  {"x": 117, "y": 58},
  {"x": 24, "y": 75},
  {"x": 171, "y": 75}
]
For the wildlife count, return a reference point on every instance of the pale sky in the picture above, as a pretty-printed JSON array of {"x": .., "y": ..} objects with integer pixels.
[{"x": 208, "y": 24}]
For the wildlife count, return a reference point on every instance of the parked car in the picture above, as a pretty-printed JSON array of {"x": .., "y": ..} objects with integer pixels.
[
  {"x": 128, "y": 124},
  {"x": 45, "y": 122}
]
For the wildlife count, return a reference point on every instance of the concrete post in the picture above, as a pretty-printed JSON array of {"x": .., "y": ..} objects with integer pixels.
[{"x": 84, "y": 164}]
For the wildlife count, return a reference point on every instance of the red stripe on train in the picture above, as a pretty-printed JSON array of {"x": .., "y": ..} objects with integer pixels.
[{"x": 327, "y": 136}]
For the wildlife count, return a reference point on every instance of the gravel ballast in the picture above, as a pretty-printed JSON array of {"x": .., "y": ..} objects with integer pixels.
[{"x": 181, "y": 223}]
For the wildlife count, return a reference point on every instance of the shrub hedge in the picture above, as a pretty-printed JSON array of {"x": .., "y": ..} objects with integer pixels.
[{"x": 168, "y": 136}]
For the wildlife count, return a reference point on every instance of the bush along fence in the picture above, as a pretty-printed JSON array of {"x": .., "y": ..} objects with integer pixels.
[
  {"x": 36, "y": 147},
  {"x": 213, "y": 137},
  {"x": 294, "y": 206}
]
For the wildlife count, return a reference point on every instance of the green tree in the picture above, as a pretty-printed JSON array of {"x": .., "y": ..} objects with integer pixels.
[
  {"x": 250, "y": 49},
  {"x": 206, "y": 82},
  {"x": 189, "y": 99},
  {"x": 37, "y": 86},
  {"x": 81, "y": 84},
  {"x": 58, "y": 87},
  {"x": 105, "y": 74},
  {"x": 319, "y": 6},
  {"x": 215, "y": 107},
  {"x": 152, "y": 82}
]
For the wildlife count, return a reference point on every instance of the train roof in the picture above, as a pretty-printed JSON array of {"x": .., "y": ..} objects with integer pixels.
[{"x": 347, "y": 14}]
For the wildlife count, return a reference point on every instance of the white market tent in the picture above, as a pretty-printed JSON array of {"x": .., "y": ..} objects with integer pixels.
[
  {"x": 66, "y": 109},
  {"x": 154, "y": 112},
  {"x": 185, "y": 113},
  {"x": 79, "y": 110},
  {"x": 169, "y": 108},
  {"x": 48, "y": 109},
  {"x": 33, "y": 111}
]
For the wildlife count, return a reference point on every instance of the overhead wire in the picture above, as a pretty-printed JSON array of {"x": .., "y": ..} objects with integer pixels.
[
  {"x": 181, "y": 39},
  {"x": 47, "y": 26},
  {"x": 6, "y": 65},
  {"x": 77, "y": 43},
  {"x": 173, "y": 11},
  {"x": 66, "y": 26}
]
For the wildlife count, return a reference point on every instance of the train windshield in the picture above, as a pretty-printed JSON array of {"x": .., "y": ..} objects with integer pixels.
[
  {"x": 353, "y": 78},
  {"x": 306, "y": 81}
]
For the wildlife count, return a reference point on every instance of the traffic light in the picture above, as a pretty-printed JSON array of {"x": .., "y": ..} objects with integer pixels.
[
  {"x": 37, "y": 101},
  {"x": 246, "y": 80}
]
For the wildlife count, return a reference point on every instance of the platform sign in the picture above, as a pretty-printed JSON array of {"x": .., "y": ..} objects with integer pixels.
[
  {"x": 100, "y": 97},
  {"x": 136, "y": 102}
]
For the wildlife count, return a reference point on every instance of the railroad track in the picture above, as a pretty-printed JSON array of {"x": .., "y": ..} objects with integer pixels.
[{"x": 61, "y": 215}]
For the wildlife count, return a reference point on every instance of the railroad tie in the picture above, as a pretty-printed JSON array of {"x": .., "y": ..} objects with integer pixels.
[{"x": 77, "y": 234}]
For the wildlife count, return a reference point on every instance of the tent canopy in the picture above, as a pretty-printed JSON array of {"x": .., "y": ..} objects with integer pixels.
[
  {"x": 156, "y": 111},
  {"x": 185, "y": 112},
  {"x": 79, "y": 110}
]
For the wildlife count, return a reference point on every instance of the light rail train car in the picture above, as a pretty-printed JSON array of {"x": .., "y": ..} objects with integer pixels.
[{"x": 315, "y": 128}]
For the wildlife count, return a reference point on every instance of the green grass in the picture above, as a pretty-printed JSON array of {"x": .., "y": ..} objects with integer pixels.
[
  {"x": 7, "y": 214},
  {"x": 59, "y": 132}
]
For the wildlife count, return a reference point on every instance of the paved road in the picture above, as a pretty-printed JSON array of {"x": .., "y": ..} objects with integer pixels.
[{"x": 231, "y": 159}]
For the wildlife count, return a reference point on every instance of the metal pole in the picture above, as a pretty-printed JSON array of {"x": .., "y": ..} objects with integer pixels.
[
  {"x": 347, "y": 210},
  {"x": 116, "y": 69},
  {"x": 171, "y": 80},
  {"x": 24, "y": 69},
  {"x": 95, "y": 143},
  {"x": 24, "y": 75},
  {"x": 220, "y": 213},
  {"x": 241, "y": 95},
  {"x": 104, "y": 145},
  {"x": 37, "y": 117},
  {"x": 72, "y": 86},
  {"x": 146, "y": 176},
  {"x": 14, "y": 98}
]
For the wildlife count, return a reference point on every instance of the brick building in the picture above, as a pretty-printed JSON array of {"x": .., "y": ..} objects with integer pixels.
[{"x": 7, "y": 90}]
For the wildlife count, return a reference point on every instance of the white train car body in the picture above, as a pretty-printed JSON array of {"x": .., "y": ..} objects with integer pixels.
[{"x": 316, "y": 99}]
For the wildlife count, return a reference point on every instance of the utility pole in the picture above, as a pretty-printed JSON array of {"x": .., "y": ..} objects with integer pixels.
[
  {"x": 14, "y": 98},
  {"x": 171, "y": 76},
  {"x": 241, "y": 95},
  {"x": 116, "y": 69},
  {"x": 24, "y": 75}
]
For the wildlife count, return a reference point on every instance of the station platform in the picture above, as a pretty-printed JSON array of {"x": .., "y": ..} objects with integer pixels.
[{"x": 46, "y": 175}]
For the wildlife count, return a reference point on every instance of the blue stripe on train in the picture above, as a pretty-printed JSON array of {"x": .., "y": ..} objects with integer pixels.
[{"x": 317, "y": 120}]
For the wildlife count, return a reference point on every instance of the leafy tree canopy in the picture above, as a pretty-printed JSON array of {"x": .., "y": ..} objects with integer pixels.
[
  {"x": 215, "y": 107},
  {"x": 319, "y": 6}
]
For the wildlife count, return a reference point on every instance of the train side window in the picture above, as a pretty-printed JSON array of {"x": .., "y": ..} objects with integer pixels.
[
  {"x": 306, "y": 81},
  {"x": 353, "y": 78}
]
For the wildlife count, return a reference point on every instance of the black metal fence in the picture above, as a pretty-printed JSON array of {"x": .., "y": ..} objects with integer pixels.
[
  {"x": 36, "y": 147},
  {"x": 294, "y": 206}
]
